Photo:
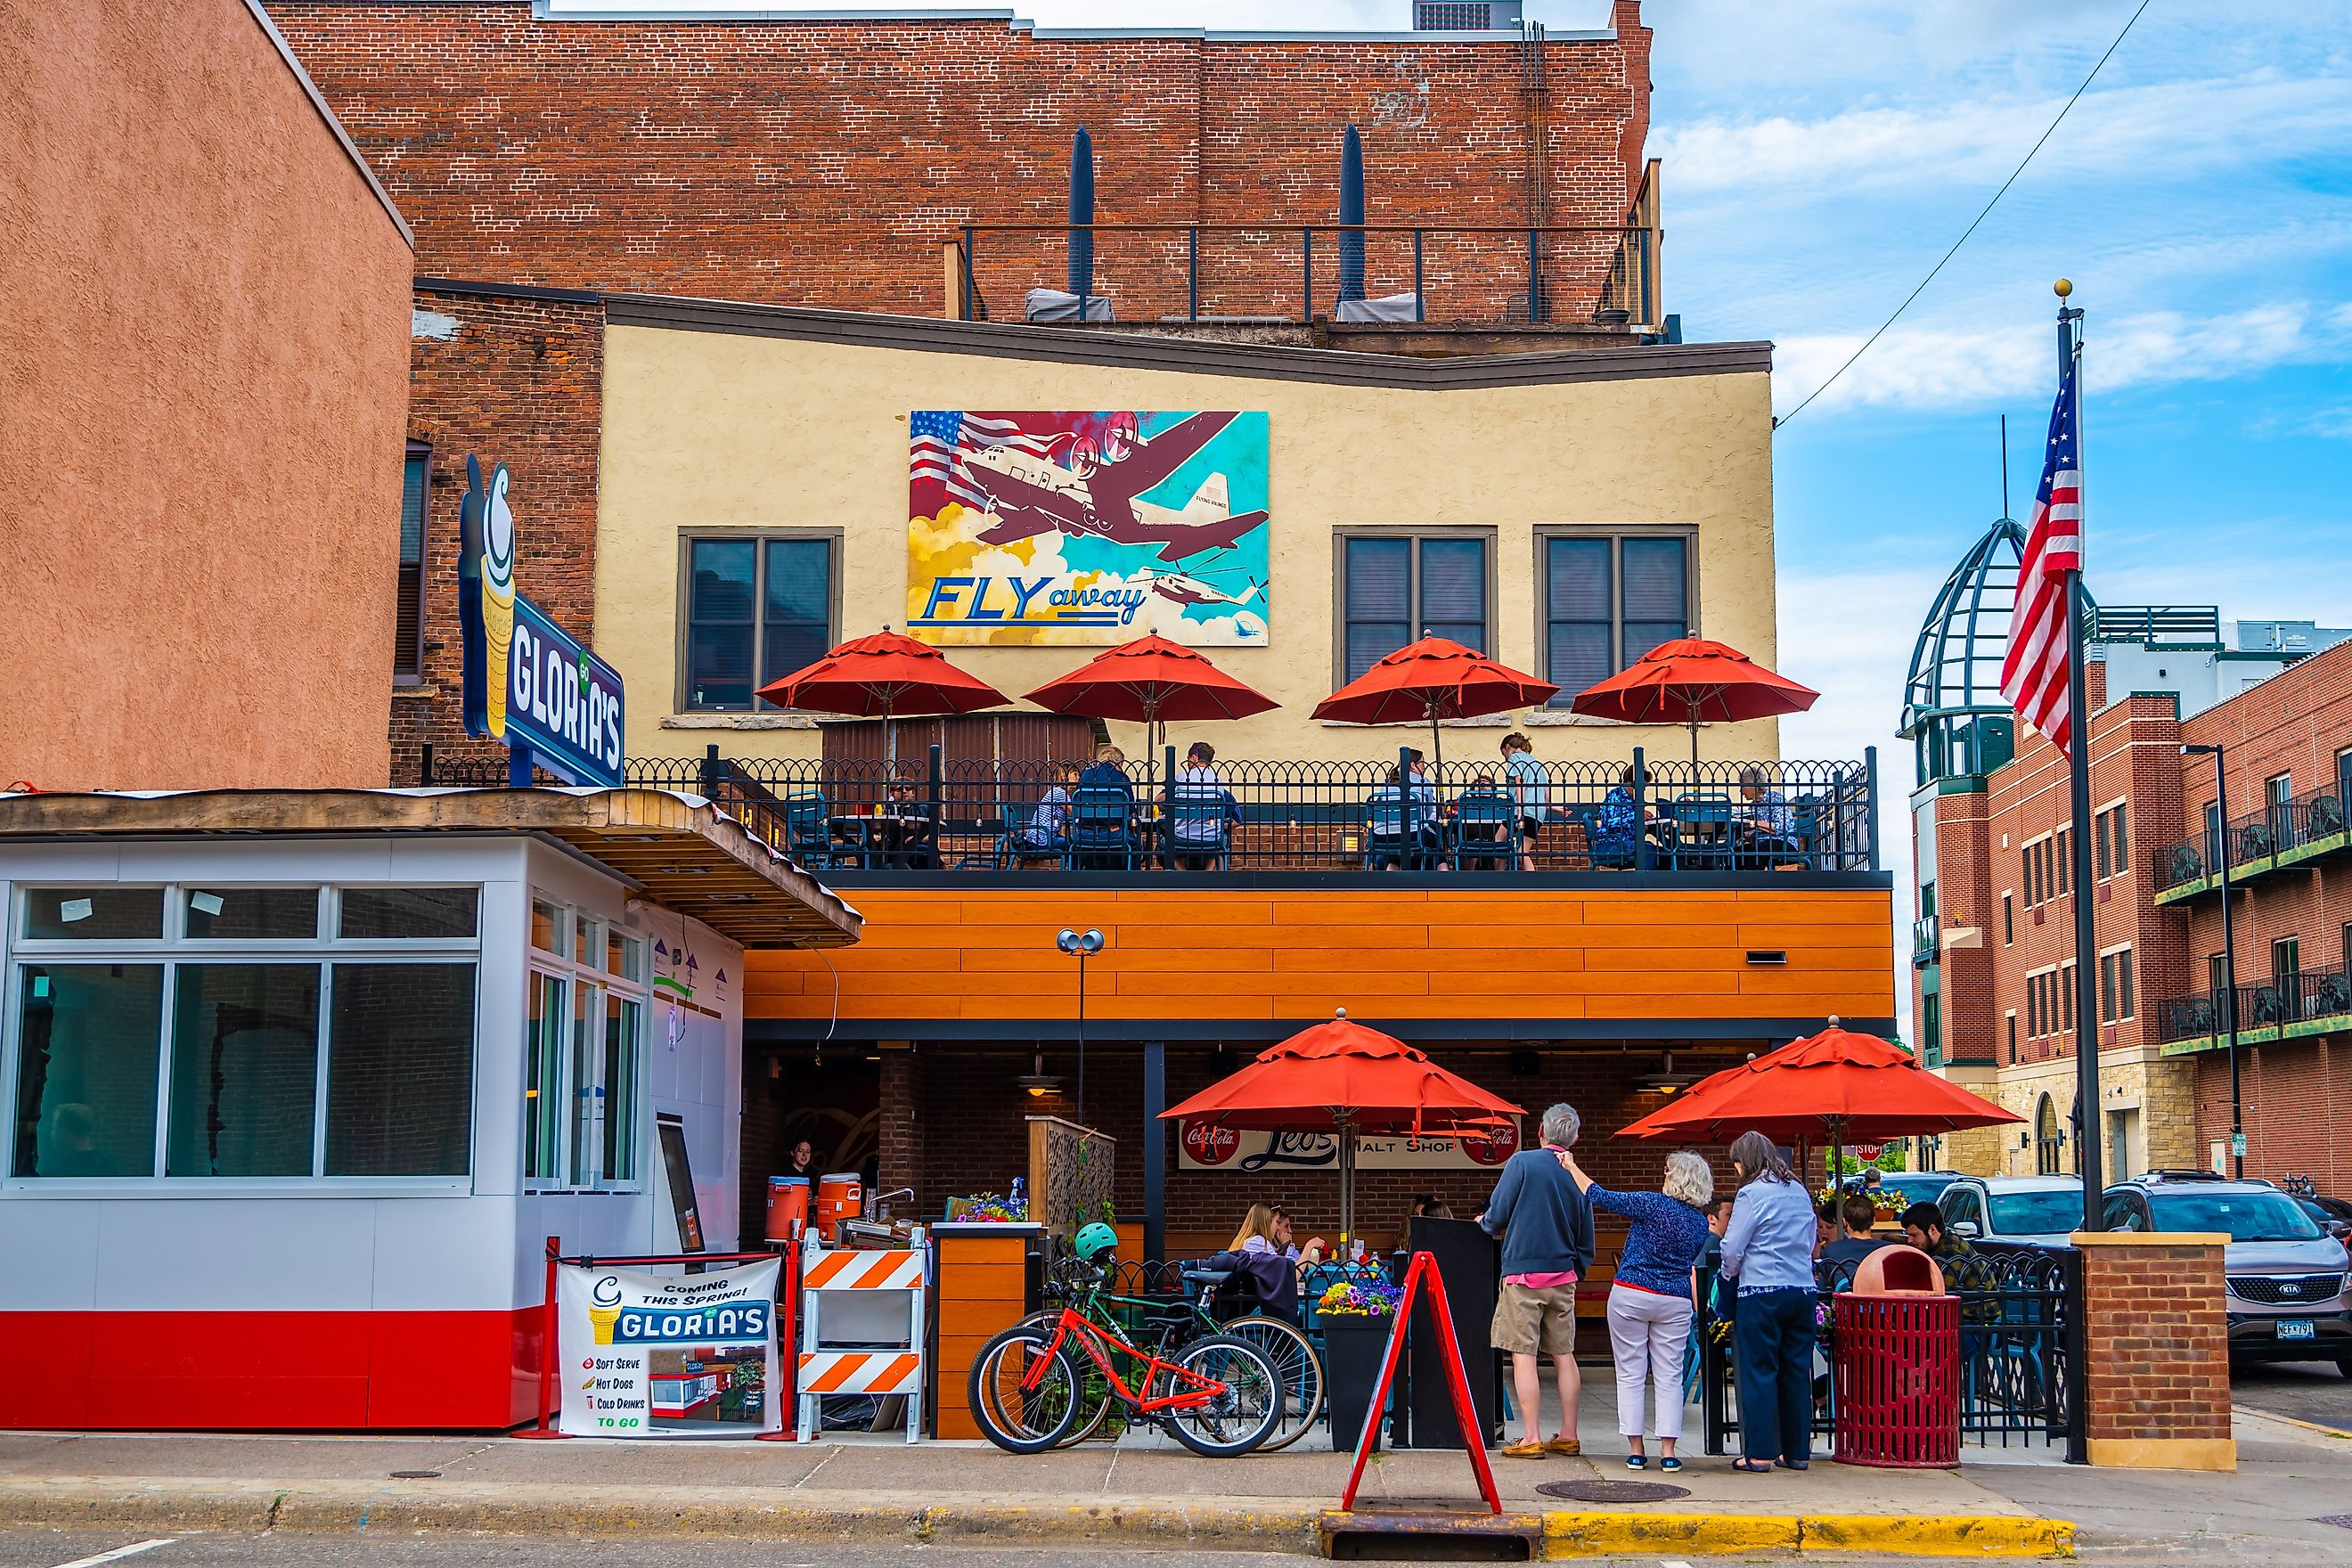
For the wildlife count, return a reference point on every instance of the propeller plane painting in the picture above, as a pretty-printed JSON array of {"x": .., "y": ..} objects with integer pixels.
[{"x": 1054, "y": 528}]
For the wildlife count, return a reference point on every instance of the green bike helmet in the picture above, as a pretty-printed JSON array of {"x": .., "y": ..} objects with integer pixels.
[{"x": 1093, "y": 1240}]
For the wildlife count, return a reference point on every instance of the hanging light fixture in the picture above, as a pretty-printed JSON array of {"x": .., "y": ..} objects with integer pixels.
[
  {"x": 1667, "y": 1079},
  {"x": 1037, "y": 1081}
]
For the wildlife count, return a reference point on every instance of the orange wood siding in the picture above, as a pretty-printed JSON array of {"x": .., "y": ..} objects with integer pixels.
[{"x": 1423, "y": 952}]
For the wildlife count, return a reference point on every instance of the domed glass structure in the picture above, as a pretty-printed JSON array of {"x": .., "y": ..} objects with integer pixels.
[{"x": 1954, "y": 715}]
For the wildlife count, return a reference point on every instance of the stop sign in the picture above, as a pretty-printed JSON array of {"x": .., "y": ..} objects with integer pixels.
[{"x": 1865, "y": 1152}]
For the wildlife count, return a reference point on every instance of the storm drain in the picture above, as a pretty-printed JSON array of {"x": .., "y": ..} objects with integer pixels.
[{"x": 1415, "y": 1530}]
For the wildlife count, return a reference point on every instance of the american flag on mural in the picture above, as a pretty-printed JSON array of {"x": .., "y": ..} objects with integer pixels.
[
  {"x": 935, "y": 470},
  {"x": 2033, "y": 676}
]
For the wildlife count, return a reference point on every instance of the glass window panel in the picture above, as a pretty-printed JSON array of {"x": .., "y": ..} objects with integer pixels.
[
  {"x": 253, "y": 913},
  {"x": 424, "y": 913},
  {"x": 412, "y": 509},
  {"x": 1454, "y": 586},
  {"x": 2123, "y": 839},
  {"x": 790, "y": 647},
  {"x": 1471, "y": 635},
  {"x": 799, "y": 581},
  {"x": 587, "y": 1101},
  {"x": 2124, "y": 984},
  {"x": 90, "y": 1043},
  {"x": 543, "y": 1082},
  {"x": 245, "y": 1070},
  {"x": 1576, "y": 580},
  {"x": 1656, "y": 582},
  {"x": 400, "y": 1070},
  {"x": 1578, "y": 657},
  {"x": 723, "y": 570},
  {"x": 719, "y": 666},
  {"x": 624, "y": 954},
  {"x": 547, "y": 926},
  {"x": 1379, "y": 580},
  {"x": 93, "y": 914},
  {"x": 586, "y": 939},
  {"x": 1640, "y": 637},
  {"x": 619, "y": 1113},
  {"x": 1368, "y": 642}
]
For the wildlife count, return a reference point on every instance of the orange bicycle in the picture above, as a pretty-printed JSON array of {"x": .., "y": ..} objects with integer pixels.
[{"x": 1220, "y": 1396}]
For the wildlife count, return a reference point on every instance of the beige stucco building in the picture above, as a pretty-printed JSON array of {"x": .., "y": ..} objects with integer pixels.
[{"x": 733, "y": 421}]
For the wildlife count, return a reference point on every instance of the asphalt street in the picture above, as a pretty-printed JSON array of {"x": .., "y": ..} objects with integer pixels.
[{"x": 2301, "y": 1391}]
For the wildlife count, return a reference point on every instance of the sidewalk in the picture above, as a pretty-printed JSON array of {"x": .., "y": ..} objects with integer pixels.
[{"x": 860, "y": 1487}]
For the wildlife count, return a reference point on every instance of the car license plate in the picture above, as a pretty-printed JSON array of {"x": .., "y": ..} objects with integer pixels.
[{"x": 2295, "y": 1329}]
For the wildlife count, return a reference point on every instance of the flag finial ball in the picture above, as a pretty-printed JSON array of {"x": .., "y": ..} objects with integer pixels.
[{"x": 2062, "y": 287}]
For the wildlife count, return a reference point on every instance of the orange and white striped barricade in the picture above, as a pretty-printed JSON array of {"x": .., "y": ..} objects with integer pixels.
[{"x": 865, "y": 1298}]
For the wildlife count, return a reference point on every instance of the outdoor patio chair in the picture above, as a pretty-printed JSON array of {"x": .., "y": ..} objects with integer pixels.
[
  {"x": 1102, "y": 829},
  {"x": 1702, "y": 833},
  {"x": 808, "y": 830},
  {"x": 1486, "y": 829},
  {"x": 1200, "y": 826},
  {"x": 1391, "y": 835}
]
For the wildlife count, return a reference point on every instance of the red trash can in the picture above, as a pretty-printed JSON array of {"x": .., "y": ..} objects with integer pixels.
[{"x": 1898, "y": 1381}]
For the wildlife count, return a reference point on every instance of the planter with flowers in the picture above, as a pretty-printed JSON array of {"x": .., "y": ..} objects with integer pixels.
[{"x": 1357, "y": 1316}]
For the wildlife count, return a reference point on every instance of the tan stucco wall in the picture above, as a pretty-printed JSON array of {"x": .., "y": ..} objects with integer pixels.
[
  {"x": 713, "y": 430},
  {"x": 2160, "y": 1089},
  {"x": 205, "y": 380}
]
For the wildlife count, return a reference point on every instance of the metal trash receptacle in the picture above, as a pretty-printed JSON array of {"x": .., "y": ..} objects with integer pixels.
[{"x": 1898, "y": 1372}]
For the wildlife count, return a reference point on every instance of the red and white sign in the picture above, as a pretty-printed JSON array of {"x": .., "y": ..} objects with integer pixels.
[
  {"x": 1206, "y": 1148},
  {"x": 1865, "y": 1152}
]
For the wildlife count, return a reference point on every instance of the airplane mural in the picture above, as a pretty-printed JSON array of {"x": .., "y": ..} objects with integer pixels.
[{"x": 1062, "y": 527}]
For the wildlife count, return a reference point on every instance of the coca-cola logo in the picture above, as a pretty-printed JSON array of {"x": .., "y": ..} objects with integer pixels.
[
  {"x": 1211, "y": 1145},
  {"x": 1491, "y": 1147}
]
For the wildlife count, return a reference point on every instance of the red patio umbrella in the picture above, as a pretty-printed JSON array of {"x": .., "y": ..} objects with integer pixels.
[
  {"x": 1838, "y": 1086},
  {"x": 1431, "y": 679},
  {"x": 1150, "y": 681},
  {"x": 1692, "y": 680},
  {"x": 1344, "y": 1079},
  {"x": 885, "y": 675}
]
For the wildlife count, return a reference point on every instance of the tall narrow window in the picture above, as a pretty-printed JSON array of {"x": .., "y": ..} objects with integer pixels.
[
  {"x": 1395, "y": 588},
  {"x": 1608, "y": 600},
  {"x": 2012, "y": 1039},
  {"x": 2120, "y": 828},
  {"x": 2007, "y": 921},
  {"x": 2125, "y": 1004},
  {"x": 408, "y": 596},
  {"x": 2065, "y": 863},
  {"x": 2101, "y": 868}
]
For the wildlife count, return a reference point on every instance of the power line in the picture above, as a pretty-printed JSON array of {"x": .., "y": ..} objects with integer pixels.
[{"x": 2013, "y": 174}]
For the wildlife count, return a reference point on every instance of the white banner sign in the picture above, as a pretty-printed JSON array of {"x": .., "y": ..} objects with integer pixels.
[
  {"x": 643, "y": 1356},
  {"x": 1206, "y": 1148}
]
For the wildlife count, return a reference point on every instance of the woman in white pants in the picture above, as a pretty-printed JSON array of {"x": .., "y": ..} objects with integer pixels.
[{"x": 1651, "y": 1302}]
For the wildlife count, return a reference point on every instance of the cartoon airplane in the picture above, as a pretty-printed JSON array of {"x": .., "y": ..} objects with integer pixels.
[{"x": 1095, "y": 489}]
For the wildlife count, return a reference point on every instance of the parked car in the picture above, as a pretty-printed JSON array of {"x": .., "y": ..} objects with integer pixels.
[
  {"x": 2042, "y": 1210},
  {"x": 2285, "y": 1276},
  {"x": 1912, "y": 1186},
  {"x": 2333, "y": 1215}
]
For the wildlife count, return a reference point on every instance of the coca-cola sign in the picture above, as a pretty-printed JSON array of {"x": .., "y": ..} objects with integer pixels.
[{"x": 1209, "y": 1146}]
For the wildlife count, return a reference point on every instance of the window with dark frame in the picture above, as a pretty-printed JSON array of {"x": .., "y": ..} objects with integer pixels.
[
  {"x": 756, "y": 607},
  {"x": 2007, "y": 921},
  {"x": 2066, "y": 998},
  {"x": 2012, "y": 1039},
  {"x": 2065, "y": 863},
  {"x": 2118, "y": 824},
  {"x": 1396, "y": 588},
  {"x": 2125, "y": 1005},
  {"x": 408, "y": 594},
  {"x": 1608, "y": 599}
]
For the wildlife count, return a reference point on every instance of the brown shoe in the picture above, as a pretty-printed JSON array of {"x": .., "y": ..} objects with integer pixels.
[
  {"x": 1526, "y": 1448},
  {"x": 1564, "y": 1446}
]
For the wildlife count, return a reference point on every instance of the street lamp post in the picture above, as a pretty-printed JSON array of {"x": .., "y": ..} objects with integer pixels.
[
  {"x": 1083, "y": 944},
  {"x": 2229, "y": 954}
]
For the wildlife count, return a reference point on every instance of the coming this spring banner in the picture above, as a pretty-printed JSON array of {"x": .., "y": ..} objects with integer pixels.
[{"x": 1051, "y": 528}]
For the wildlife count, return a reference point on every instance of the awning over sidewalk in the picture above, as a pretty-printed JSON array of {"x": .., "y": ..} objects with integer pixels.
[{"x": 683, "y": 851}]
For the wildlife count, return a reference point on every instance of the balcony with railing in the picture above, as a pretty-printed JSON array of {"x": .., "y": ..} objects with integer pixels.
[
  {"x": 1923, "y": 940},
  {"x": 2279, "y": 837},
  {"x": 927, "y": 816},
  {"x": 2285, "y": 1007}
]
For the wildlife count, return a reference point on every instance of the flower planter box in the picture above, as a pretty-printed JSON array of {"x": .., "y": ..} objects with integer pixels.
[{"x": 1353, "y": 1344}]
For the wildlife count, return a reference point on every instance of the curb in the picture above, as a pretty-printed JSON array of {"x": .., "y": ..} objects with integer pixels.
[{"x": 755, "y": 1513}]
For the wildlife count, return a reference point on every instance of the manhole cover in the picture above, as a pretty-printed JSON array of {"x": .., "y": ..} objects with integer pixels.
[{"x": 1613, "y": 1491}]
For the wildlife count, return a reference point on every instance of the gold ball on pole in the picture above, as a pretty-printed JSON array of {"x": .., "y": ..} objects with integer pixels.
[{"x": 2062, "y": 287}]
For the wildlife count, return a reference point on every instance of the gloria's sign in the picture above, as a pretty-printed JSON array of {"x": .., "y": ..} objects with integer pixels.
[
  {"x": 1206, "y": 1148},
  {"x": 649, "y": 1357},
  {"x": 526, "y": 681}
]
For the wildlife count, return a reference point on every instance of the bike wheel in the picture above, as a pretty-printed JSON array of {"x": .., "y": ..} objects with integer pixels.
[
  {"x": 1094, "y": 1389},
  {"x": 1300, "y": 1369},
  {"x": 1018, "y": 1419},
  {"x": 1244, "y": 1411}
]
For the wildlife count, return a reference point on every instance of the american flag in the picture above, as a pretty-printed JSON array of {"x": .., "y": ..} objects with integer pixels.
[
  {"x": 935, "y": 470},
  {"x": 2033, "y": 676}
]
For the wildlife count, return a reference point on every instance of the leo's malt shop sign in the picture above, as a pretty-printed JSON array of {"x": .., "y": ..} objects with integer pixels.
[
  {"x": 1206, "y": 1148},
  {"x": 621, "y": 1333}
]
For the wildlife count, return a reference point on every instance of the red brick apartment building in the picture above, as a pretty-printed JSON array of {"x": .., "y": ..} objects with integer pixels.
[{"x": 1994, "y": 952}]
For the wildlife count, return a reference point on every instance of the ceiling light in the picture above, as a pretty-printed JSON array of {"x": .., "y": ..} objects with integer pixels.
[
  {"x": 1667, "y": 1079},
  {"x": 1037, "y": 1081}
]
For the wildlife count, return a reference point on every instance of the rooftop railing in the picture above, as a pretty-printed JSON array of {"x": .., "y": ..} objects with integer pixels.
[{"x": 927, "y": 812}]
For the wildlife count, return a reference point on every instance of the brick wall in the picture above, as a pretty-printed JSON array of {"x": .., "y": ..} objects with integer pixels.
[
  {"x": 821, "y": 162},
  {"x": 2158, "y": 1360}
]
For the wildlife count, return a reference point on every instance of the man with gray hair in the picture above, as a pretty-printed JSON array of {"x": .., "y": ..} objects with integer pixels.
[{"x": 1546, "y": 1226}]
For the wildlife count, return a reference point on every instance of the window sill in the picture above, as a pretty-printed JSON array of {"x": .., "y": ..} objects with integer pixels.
[
  {"x": 738, "y": 721},
  {"x": 414, "y": 690}
]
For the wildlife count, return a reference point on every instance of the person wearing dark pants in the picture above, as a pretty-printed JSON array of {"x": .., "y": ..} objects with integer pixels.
[{"x": 1768, "y": 1247}]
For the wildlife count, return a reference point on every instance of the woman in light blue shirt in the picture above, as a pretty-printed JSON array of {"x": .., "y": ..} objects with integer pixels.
[{"x": 1768, "y": 1248}]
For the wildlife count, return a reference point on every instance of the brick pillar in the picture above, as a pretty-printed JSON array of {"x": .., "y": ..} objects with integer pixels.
[
  {"x": 2157, "y": 1383},
  {"x": 899, "y": 1163}
]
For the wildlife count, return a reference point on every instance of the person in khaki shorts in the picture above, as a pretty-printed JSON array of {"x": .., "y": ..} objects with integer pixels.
[{"x": 1547, "y": 1230}]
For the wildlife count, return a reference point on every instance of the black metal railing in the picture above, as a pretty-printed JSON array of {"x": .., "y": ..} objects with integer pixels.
[
  {"x": 2017, "y": 1351},
  {"x": 927, "y": 813},
  {"x": 2305, "y": 996},
  {"x": 1273, "y": 272},
  {"x": 1923, "y": 940},
  {"x": 2279, "y": 828}
]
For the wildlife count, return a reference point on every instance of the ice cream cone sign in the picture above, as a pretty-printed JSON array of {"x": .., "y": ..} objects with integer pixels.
[
  {"x": 497, "y": 596},
  {"x": 604, "y": 1308}
]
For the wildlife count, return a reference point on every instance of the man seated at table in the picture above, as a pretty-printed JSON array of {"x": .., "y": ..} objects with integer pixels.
[
  {"x": 1767, "y": 825},
  {"x": 917, "y": 847},
  {"x": 1094, "y": 838},
  {"x": 1202, "y": 812},
  {"x": 1856, "y": 1216}
]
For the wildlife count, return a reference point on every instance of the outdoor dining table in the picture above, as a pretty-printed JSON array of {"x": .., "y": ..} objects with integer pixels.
[{"x": 890, "y": 839}]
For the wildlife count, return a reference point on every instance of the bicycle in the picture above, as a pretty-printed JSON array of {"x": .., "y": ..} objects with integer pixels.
[
  {"x": 1290, "y": 1349},
  {"x": 1218, "y": 1395}
]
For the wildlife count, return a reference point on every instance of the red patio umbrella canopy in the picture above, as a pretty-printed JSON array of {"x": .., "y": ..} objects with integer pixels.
[
  {"x": 1433, "y": 679},
  {"x": 1693, "y": 681},
  {"x": 885, "y": 675},
  {"x": 1848, "y": 1088},
  {"x": 1151, "y": 680},
  {"x": 1340, "y": 1070}
]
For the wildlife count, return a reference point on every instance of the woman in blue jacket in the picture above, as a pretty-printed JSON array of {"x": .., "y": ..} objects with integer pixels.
[{"x": 1768, "y": 1248}]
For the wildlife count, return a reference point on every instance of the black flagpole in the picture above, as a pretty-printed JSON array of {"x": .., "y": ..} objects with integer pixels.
[{"x": 2087, "y": 1150}]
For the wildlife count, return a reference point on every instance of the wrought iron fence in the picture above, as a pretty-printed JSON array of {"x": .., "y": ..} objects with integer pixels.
[
  {"x": 2279, "y": 828},
  {"x": 926, "y": 813},
  {"x": 2305, "y": 996},
  {"x": 2017, "y": 1352}
]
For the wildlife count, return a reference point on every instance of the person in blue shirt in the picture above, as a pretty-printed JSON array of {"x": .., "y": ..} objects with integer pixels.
[
  {"x": 1653, "y": 1296},
  {"x": 1618, "y": 832},
  {"x": 1768, "y": 1248},
  {"x": 1545, "y": 1228}
]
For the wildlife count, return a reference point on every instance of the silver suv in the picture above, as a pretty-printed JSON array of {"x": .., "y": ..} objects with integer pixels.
[
  {"x": 2288, "y": 1299},
  {"x": 2043, "y": 1210}
]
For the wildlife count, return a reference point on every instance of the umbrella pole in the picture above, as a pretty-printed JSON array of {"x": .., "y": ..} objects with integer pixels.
[{"x": 1346, "y": 1129}]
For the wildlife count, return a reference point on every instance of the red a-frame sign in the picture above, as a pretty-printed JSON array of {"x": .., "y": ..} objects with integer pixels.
[{"x": 1465, "y": 1415}]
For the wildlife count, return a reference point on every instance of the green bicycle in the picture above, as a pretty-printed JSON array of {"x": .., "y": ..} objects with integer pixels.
[{"x": 1170, "y": 1323}]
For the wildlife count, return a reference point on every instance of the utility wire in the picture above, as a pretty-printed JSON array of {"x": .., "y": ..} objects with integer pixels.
[{"x": 1986, "y": 213}]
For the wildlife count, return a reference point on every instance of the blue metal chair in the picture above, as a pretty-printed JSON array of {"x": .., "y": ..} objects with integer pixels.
[
  {"x": 1102, "y": 828},
  {"x": 808, "y": 830},
  {"x": 1485, "y": 828},
  {"x": 1702, "y": 827},
  {"x": 1392, "y": 833},
  {"x": 1200, "y": 824}
]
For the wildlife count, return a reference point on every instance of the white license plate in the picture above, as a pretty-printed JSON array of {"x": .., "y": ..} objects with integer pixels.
[{"x": 2296, "y": 1329}]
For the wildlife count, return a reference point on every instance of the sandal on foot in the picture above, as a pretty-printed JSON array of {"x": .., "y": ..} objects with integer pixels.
[{"x": 1745, "y": 1467}]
